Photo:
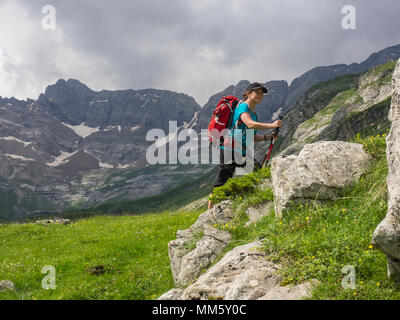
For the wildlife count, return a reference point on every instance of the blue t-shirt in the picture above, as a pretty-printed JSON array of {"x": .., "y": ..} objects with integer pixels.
[{"x": 241, "y": 127}]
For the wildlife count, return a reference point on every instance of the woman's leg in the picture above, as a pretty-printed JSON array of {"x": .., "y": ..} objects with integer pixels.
[
  {"x": 210, "y": 203},
  {"x": 225, "y": 172}
]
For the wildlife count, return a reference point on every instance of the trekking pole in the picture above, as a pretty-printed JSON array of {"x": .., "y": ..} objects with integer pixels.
[{"x": 275, "y": 133}]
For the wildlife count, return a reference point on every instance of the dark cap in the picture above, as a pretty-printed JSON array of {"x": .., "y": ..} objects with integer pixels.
[{"x": 257, "y": 85}]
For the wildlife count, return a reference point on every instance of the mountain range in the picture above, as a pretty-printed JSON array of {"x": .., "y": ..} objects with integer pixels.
[{"x": 78, "y": 148}]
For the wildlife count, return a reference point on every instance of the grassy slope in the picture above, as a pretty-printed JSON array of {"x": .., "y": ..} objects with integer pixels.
[{"x": 132, "y": 250}]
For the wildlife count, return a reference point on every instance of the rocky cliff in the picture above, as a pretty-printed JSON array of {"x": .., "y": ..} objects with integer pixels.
[
  {"x": 387, "y": 235},
  {"x": 339, "y": 109}
]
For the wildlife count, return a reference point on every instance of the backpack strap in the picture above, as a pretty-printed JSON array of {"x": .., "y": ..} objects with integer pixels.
[
  {"x": 234, "y": 105},
  {"x": 238, "y": 120}
]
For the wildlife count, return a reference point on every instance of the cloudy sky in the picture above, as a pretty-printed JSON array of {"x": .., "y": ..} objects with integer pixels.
[{"x": 198, "y": 47}]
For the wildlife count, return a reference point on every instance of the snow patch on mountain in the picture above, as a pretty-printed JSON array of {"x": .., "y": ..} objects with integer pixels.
[
  {"x": 61, "y": 159},
  {"x": 16, "y": 139},
  {"x": 82, "y": 130}
]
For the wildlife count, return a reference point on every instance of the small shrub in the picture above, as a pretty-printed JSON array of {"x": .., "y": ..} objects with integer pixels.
[{"x": 239, "y": 186}]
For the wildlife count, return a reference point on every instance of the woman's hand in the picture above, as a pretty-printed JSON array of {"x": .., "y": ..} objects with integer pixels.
[{"x": 277, "y": 123}]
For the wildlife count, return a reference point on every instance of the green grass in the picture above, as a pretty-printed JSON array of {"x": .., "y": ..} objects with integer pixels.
[
  {"x": 342, "y": 97},
  {"x": 132, "y": 251},
  {"x": 386, "y": 68}
]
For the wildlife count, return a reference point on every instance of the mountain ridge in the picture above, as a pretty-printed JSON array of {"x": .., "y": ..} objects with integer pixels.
[{"x": 71, "y": 133}]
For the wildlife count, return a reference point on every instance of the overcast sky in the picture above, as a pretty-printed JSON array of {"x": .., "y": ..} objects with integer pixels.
[{"x": 197, "y": 47}]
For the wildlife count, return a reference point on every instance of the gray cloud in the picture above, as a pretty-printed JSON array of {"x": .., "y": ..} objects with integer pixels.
[{"x": 198, "y": 47}]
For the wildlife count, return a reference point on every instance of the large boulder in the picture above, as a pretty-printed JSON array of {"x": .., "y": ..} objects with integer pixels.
[
  {"x": 197, "y": 247},
  {"x": 242, "y": 274},
  {"x": 319, "y": 171},
  {"x": 387, "y": 235}
]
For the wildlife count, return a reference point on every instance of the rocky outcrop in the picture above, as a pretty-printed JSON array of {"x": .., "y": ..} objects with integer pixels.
[
  {"x": 197, "y": 247},
  {"x": 298, "y": 124},
  {"x": 319, "y": 171},
  {"x": 242, "y": 274},
  {"x": 387, "y": 235}
]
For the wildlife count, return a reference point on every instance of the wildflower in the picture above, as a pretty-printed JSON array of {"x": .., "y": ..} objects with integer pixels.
[
  {"x": 359, "y": 260},
  {"x": 361, "y": 282},
  {"x": 383, "y": 135},
  {"x": 307, "y": 218},
  {"x": 344, "y": 210},
  {"x": 370, "y": 246},
  {"x": 313, "y": 257},
  {"x": 378, "y": 284},
  {"x": 355, "y": 293}
]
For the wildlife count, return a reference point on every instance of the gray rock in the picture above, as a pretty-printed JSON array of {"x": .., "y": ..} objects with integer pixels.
[
  {"x": 319, "y": 171},
  {"x": 197, "y": 247},
  {"x": 297, "y": 292},
  {"x": 6, "y": 285},
  {"x": 242, "y": 274},
  {"x": 173, "y": 294},
  {"x": 257, "y": 213},
  {"x": 207, "y": 250},
  {"x": 219, "y": 214},
  {"x": 386, "y": 236}
]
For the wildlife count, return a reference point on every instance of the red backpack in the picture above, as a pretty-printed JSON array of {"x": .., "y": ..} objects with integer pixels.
[{"x": 222, "y": 117}]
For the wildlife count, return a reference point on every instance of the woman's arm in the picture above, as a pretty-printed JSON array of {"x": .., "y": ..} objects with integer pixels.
[{"x": 251, "y": 124}]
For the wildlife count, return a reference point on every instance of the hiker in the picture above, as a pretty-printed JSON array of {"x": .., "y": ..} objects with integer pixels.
[{"x": 244, "y": 117}]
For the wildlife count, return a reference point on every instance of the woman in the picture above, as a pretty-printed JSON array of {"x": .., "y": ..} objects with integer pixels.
[{"x": 243, "y": 118}]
